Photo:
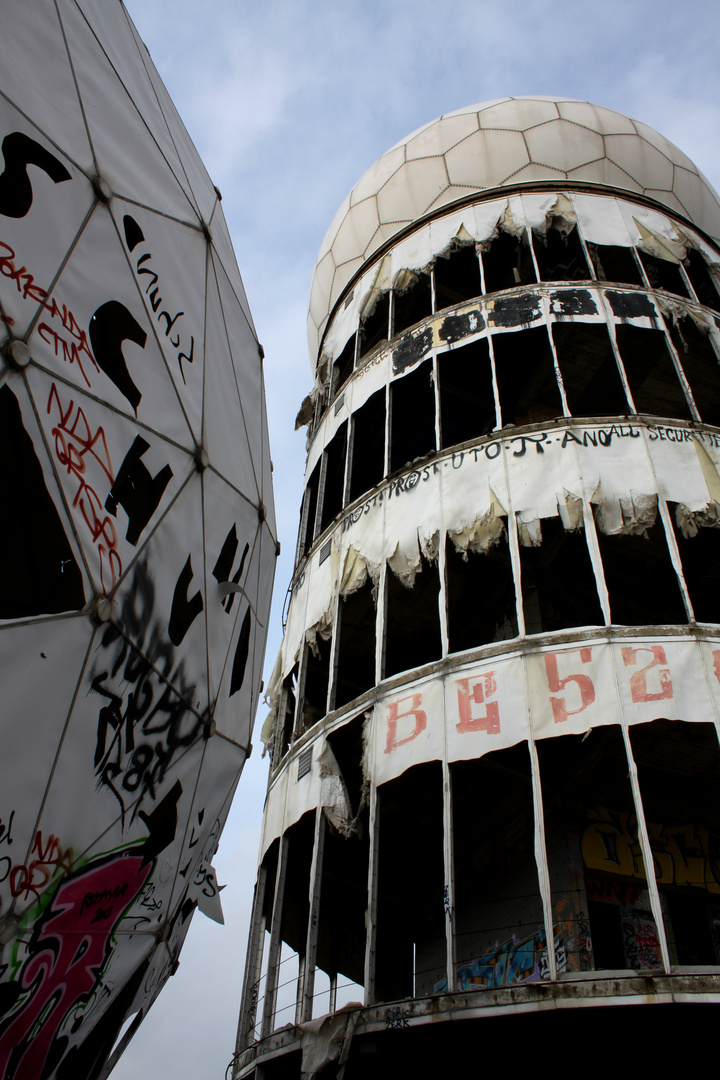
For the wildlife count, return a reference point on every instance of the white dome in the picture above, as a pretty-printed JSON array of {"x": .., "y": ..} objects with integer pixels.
[{"x": 490, "y": 145}]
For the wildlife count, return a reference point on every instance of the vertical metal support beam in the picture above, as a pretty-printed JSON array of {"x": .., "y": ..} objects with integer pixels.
[
  {"x": 316, "y": 870},
  {"x": 271, "y": 981},
  {"x": 675, "y": 557},
  {"x": 371, "y": 915},
  {"x": 300, "y": 988},
  {"x": 649, "y": 862},
  {"x": 332, "y": 1006},
  {"x": 449, "y": 888},
  {"x": 253, "y": 967},
  {"x": 541, "y": 860}
]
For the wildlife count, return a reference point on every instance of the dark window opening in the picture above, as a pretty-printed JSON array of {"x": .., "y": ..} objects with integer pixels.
[
  {"x": 309, "y": 510},
  {"x": 641, "y": 582},
  {"x": 368, "y": 454},
  {"x": 480, "y": 596},
  {"x": 343, "y": 902},
  {"x": 651, "y": 374},
  {"x": 467, "y": 403},
  {"x": 593, "y": 386},
  {"x": 679, "y": 775},
  {"x": 663, "y": 274},
  {"x": 296, "y": 906},
  {"x": 270, "y": 863},
  {"x": 507, "y": 263},
  {"x": 700, "y": 365},
  {"x": 356, "y": 645},
  {"x": 615, "y": 264},
  {"x": 411, "y": 875},
  {"x": 558, "y": 584},
  {"x": 374, "y": 328},
  {"x": 700, "y": 557},
  {"x": 346, "y": 743},
  {"x": 499, "y": 929},
  {"x": 527, "y": 386},
  {"x": 701, "y": 279},
  {"x": 288, "y": 699},
  {"x": 412, "y": 620},
  {"x": 457, "y": 277},
  {"x": 335, "y": 453},
  {"x": 412, "y": 426},
  {"x": 560, "y": 255},
  {"x": 412, "y": 305},
  {"x": 591, "y": 841},
  {"x": 317, "y": 678},
  {"x": 343, "y": 366}
]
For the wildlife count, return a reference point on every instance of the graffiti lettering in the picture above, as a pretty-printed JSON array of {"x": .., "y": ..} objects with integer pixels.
[
  {"x": 28, "y": 879},
  {"x": 136, "y": 490},
  {"x": 517, "y": 960},
  {"x": 110, "y": 326},
  {"x": 19, "y": 151}
]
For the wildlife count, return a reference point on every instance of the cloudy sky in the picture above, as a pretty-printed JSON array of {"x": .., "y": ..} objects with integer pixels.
[{"x": 289, "y": 102}]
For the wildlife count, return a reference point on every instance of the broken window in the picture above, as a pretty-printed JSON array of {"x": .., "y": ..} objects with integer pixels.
[
  {"x": 343, "y": 366},
  {"x": 410, "y": 953},
  {"x": 296, "y": 909},
  {"x": 412, "y": 416},
  {"x": 343, "y": 900},
  {"x": 374, "y": 328},
  {"x": 678, "y": 768},
  {"x": 356, "y": 645},
  {"x": 615, "y": 264},
  {"x": 314, "y": 682},
  {"x": 412, "y": 304},
  {"x": 701, "y": 279},
  {"x": 593, "y": 386},
  {"x": 525, "y": 372},
  {"x": 335, "y": 453},
  {"x": 592, "y": 846},
  {"x": 457, "y": 277},
  {"x": 480, "y": 595},
  {"x": 663, "y": 274},
  {"x": 467, "y": 402},
  {"x": 700, "y": 365},
  {"x": 558, "y": 583},
  {"x": 650, "y": 372},
  {"x": 560, "y": 255},
  {"x": 698, "y": 540},
  {"x": 308, "y": 512},
  {"x": 286, "y": 715},
  {"x": 412, "y": 620},
  {"x": 642, "y": 585},
  {"x": 368, "y": 453},
  {"x": 499, "y": 928},
  {"x": 507, "y": 262}
]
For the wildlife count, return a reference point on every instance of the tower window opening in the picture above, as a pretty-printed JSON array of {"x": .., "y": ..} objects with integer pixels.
[
  {"x": 651, "y": 374},
  {"x": 641, "y": 581},
  {"x": 412, "y": 416},
  {"x": 558, "y": 583},
  {"x": 701, "y": 279},
  {"x": 368, "y": 445},
  {"x": 374, "y": 328},
  {"x": 309, "y": 511},
  {"x": 457, "y": 277},
  {"x": 698, "y": 540},
  {"x": 507, "y": 263},
  {"x": 467, "y": 401},
  {"x": 615, "y": 264},
  {"x": 663, "y": 274},
  {"x": 335, "y": 454},
  {"x": 343, "y": 366},
  {"x": 560, "y": 255},
  {"x": 356, "y": 645},
  {"x": 412, "y": 304},
  {"x": 589, "y": 370},
  {"x": 412, "y": 620},
  {"x": 527, "y": 386},
  {"x": 480, "y": 595},
  {"x": 700, "y": 364},
  {"x": 286, "y": 719},
  {"x": 344, "y": 903},
  {"x": 314, "y": 682}
]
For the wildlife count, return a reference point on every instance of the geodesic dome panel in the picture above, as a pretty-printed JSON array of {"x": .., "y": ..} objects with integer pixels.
[
  {"x": 138, "y": 536},
  {"x": 493, "y": 145}
]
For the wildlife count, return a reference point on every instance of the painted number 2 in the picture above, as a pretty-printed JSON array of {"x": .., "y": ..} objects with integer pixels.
[{"x": 639, "y": 690}]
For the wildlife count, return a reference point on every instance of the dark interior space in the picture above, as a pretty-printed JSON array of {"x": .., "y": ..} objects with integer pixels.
[
  {"x": 343, "y": 366},
  {"x": 317, "y": 679},
  {"x": 560, "y": 255},
  {"x": 467, "y": 403},
  {"x": 650, "y": 372},
  {"x": 615, "y": 264},
  {"x": 296, "y": 904},
  {"x": 480, "y": 596},
  {"x": 700, "y": 558},
  {"x": 356, "y": 645},
  {"x": 412, "y": 305},
  {"x": 368, "y": 453},
  {"x": 663, "y": 274},
  {"x": 343, "y": 903},
  {"x": 700, "y": 364},
  {"x": 525, "y": 373},
  {"x": 288, "y": 701},
  {"x": 412, "y": 620},
  {"x": 507, "y": 262},
  {"x": 335, "y": 454},
  {"x": 558, "y": 582},
  {"x": 309, "y": 510},
  {"x": 457, "y": 277},
  {"x": 701, "y": 279},
  {"x": 593, "y": 386},
  {"x": 412, "y": 411},
  {"x": 641, "y": 582},
  {"x": 374, "y": 328}
]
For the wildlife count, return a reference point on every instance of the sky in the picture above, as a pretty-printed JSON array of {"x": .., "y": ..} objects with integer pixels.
[{"x": 289, "y": 102}]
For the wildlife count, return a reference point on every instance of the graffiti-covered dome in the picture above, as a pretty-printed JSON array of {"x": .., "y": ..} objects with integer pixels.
[{"x": 498, "y": 144}]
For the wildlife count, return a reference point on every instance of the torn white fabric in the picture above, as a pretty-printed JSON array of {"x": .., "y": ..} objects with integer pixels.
[
  {"x": 662, "y": 247},
  {"x": 327, "y": 1040}
]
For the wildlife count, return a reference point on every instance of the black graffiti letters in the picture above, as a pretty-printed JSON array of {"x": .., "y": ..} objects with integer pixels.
[
  {"x": 136, "y": 490},
  {"x": 241, "y": 656},
  {"x": 110, "y": 326},
  {"x": 224, "y": 564},
  {"x": 183, "y": 610},
  {"x": 19, "y": 151}
]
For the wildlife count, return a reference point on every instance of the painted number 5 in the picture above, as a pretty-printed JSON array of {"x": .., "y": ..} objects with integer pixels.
[{"x": 583, "y": 685}]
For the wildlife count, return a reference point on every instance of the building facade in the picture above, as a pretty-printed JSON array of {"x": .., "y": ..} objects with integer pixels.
[{"x": 494, "y": 727}]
